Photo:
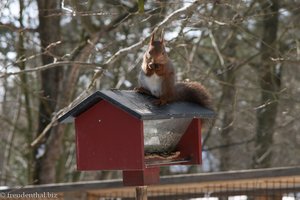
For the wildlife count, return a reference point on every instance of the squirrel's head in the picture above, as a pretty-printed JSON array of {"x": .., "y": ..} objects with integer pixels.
[{"x": 156, "y": 52}]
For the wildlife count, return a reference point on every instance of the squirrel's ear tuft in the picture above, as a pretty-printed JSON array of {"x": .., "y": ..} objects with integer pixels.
[
  {"x": 152, "y": 38},
  {"x": 162, "y": 36}
]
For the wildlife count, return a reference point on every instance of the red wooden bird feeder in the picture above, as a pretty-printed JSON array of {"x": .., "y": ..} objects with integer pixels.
[{"x": 123, "y": 130}]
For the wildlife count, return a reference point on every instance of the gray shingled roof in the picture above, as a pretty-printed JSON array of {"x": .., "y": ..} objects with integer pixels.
[{"x": 138, "y": 105}]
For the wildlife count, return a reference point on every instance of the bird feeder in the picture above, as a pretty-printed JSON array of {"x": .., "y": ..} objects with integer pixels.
[{"x": 124, "y": 130}]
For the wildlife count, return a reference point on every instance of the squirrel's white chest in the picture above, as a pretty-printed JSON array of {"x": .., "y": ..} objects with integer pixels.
[{"x": 153, "y": 84}]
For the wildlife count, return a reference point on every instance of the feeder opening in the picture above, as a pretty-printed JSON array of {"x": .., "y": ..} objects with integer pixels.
[{"x": 162, "y": 136}]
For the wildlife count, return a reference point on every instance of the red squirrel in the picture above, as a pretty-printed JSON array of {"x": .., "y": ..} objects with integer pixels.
[{"x": 157, "y": 78}]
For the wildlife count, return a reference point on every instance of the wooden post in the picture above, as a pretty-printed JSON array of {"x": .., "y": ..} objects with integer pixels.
[{"x": 141, "y": 192}]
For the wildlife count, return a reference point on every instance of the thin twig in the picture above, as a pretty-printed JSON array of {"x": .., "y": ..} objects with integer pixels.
[
  {"x": 52, "y": 65},
  {"x": 216, "y": 48}
]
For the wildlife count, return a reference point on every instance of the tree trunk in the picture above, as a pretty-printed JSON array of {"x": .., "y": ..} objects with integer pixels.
[
  {"x": 270, "y": 76},
  {"x": 49, "y": 30},
  {"x": 228, "y": 101},
  {"x": 225, "y": 49},
  {"x": 228, "y": 97}
]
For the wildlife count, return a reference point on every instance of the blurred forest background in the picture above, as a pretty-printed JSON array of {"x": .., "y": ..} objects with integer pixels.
[{"x": 246, "y": 52}]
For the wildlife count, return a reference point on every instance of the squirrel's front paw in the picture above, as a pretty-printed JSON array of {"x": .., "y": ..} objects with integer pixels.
[
  {"x": 142, "y": 90},
  {"x": 159, "y": 102},
  {"x": 136, "y": 89},
  {"x": 139, "y": 89}
]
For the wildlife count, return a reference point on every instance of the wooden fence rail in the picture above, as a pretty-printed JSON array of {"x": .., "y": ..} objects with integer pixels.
[{"x": 259, "y": 184}]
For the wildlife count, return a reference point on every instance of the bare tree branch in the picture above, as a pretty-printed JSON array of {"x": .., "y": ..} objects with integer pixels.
[{"x": 52, "y": 65}]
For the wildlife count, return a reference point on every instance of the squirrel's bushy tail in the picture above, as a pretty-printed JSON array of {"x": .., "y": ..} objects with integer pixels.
[{"x": 193, "y": 92}]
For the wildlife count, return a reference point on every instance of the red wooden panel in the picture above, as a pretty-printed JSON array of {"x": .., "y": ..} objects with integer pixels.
[
  {"x": 190, "y": 143},
  {"x": 108, "y": 138},
  {"x": 148, "y": 176}
]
